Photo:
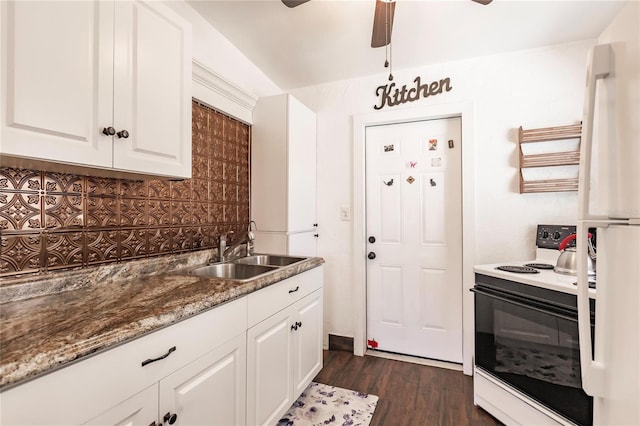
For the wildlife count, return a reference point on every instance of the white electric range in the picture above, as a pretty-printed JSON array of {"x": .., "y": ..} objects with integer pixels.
[
  {"x": 527, "y": 364},
  {"x": 548, "y": 239}
]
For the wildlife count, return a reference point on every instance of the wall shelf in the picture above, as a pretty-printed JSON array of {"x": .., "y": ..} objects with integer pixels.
[{"x": 548, "y": 159}]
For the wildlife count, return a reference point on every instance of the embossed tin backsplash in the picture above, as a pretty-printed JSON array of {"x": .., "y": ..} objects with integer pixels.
[{"x": 51, "y": 221}]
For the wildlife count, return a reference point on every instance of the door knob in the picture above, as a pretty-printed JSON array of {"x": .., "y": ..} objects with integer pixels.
[
  {"x": 123, "y": 134},
  {"x": 170, "y": 418},
  {"x": 372, "y": 239},
  {"x": 371, "y": 255},
  {"x": 109, "y": 131}
]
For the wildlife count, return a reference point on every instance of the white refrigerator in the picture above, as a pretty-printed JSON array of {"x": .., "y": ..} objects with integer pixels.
[{"x": 609, "y": 200}]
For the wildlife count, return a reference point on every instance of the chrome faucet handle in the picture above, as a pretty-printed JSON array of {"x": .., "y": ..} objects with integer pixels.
[{"x": 222, "y": 247}]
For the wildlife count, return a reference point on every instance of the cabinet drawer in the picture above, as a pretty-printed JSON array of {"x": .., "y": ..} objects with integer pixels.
[
  {"x": 77, "y": 393},
  {"x": 269, "y": 300}
]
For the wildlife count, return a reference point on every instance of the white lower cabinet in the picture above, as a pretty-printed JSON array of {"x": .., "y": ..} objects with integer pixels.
[
  {"x": 200, "y": 356},
  {"x": 244, "y": 362},
  {"x": 307, "y": 342},
  {"x": 139, "y": 410},
  {"x": 284, "y": 353},
  {"x": 210, "y": 390}
]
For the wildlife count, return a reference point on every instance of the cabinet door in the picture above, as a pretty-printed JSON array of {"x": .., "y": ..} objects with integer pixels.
[
  {"x": 269, "y": 369},
  {"x": 307, "y": 341},
  {"x": 57, "y": 80},
  {"x": 210, "y": 390},
  {"x": 303, "y": 244},
  {"x": 152, "y": 91},
  {"x": 302, "y": 167},
  {"x": 141, "y": 409}
]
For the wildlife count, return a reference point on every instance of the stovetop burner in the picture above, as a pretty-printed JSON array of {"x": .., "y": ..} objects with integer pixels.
[
  {"x": 518, "y": 269},
  {"x": 539, "y": 265}
]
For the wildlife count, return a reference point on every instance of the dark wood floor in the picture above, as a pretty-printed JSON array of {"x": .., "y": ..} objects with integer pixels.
[{"x": 410, "y": 394}]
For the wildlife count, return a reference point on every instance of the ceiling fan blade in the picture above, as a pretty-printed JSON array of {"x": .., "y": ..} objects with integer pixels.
[
  {"x": 484, "y": 2},
  {"x": 382, "y": 23},
  {"x": 293, "y": 3}
]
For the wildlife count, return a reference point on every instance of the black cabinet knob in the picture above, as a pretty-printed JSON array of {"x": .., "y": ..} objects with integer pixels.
[
  {"x": 372, "y": 239},
  {"x": 170, "y": 418},
  {"x": 109, "y": 131},
  {"x": 123, "y": 134},
  {"x": 371, "y": 255}
]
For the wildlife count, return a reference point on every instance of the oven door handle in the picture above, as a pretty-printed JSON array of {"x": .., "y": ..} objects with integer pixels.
[{"x": 532, "y": 305}]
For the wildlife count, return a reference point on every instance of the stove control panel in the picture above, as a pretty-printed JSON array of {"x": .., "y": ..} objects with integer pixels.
[{"x": 550, "y": 236}]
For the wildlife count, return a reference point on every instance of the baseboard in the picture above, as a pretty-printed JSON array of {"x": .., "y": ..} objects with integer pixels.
[
  {"x": 414, "y": 360},
  {"x": 340, "y": 343}
]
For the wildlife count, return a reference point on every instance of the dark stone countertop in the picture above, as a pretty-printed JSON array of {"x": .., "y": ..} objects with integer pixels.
[{"x": 46, "y": 332}]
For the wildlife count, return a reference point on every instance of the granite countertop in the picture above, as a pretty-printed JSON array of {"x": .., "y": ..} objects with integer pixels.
[{"x": 43, "y": 333}]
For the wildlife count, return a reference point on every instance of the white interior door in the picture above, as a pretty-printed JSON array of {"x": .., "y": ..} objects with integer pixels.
[{"x": 414, "y": 213}]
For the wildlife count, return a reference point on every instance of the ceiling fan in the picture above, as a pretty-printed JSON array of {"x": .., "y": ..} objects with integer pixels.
[{"x": 382, "y": 19}]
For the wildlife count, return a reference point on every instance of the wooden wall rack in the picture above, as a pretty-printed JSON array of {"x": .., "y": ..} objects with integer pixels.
[{"x": 567, "y": 158}]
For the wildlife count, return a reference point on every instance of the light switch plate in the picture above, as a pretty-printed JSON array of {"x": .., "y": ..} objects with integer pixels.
[{"x": 345, "y": 213}]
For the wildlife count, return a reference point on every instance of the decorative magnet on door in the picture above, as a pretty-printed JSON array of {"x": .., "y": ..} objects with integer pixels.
[
  {"x": 432, "y": 182},
  {"x": 450, "y": 143},
  {"x": 388, "y": 148},
  {"x": 410, "y": 179},
  {"x": 413, "y": 164},
  {"x": 433, "y": 144},
  {"x": 389, "y": 183},
  {"x": 436, "y": 162}
]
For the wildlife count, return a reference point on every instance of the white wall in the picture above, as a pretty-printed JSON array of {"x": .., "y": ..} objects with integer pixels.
[
  {"x": 533, "y": 88},
  {"x": 231, "y": 67}
]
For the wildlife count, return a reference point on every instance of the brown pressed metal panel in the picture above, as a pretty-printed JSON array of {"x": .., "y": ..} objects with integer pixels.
[
  {"x": 409, "y": 394},
  {"x": 51, "y": 221}
]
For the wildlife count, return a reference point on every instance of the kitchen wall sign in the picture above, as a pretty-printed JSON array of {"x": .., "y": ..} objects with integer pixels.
[
  {"x": 433, "y": 144},
  {"x": 391, "y": 96}
]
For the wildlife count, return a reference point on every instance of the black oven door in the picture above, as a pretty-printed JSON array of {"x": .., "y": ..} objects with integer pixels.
[{"x": 530, "y": 342}]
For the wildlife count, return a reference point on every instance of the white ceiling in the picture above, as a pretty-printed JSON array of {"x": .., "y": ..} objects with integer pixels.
[{"x": 329, "y": 40}]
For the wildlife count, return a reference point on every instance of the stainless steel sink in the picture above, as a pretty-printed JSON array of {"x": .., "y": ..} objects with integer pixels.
[
  {"x": 268, "y": 259},
  {"x": 233, "y": 271}
]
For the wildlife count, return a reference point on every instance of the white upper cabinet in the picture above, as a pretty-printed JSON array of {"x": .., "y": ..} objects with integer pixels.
[
  {"x": 96, "y": 84},
  {"x": 283, "y": 165}
]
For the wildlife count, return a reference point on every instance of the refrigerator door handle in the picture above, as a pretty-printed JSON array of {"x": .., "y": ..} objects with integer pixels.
[
  {"x": 599, "y": 67},
  {"x": 591, "y": 366}
]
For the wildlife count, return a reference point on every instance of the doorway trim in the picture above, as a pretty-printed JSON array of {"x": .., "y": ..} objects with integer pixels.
[{"x": 360, "y": 122}]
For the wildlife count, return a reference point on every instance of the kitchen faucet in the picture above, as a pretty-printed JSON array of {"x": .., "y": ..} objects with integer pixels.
[{"x": 223, "y": 250}]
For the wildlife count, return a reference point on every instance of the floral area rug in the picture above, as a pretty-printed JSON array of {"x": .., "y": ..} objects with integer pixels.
[{"x": 321, "y": 405}]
